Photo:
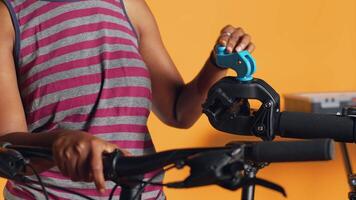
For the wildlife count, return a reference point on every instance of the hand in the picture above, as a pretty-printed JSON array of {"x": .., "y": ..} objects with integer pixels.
[
  {"x": 79, "y": 156},
  {"x": 235, "y": 39}
]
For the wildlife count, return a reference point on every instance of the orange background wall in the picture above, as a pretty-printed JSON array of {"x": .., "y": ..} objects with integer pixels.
[{"x": 302, "y": 45}]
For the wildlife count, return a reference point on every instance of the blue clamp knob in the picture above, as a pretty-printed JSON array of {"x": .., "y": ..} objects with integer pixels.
[{"x": 241, "y": 62}]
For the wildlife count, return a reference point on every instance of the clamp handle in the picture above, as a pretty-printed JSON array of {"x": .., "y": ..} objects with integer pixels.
[{"x": 241, "y": 62}]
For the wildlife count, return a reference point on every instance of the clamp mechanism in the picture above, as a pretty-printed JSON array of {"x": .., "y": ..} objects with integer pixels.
[
  {"x": 241, "y": 62},
  {"x": 227, "y": 105}
]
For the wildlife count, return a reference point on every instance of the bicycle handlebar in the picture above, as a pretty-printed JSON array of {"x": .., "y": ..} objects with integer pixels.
[
  {"x": 313, "y": 125},
  {"x": 286, "y": 151},
  {"x": 222, "y": 166},
  {"x": 282, "y": 151}
]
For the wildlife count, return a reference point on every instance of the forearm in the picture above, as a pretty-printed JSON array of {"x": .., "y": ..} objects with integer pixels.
[
  {"x": 44, "y": 139},
  {"x": 193, "y": 95}
]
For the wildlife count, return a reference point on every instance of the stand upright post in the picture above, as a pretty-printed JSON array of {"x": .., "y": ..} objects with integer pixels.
[
  {"x": 350, "y": 176},
  {"x": 248, "y": 191}
]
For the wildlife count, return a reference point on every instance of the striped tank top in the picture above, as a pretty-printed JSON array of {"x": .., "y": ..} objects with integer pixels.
[{"x": 79, "y": 68}]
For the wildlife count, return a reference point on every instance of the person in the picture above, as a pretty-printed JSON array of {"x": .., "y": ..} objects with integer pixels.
[{"x": 80, "y": 77}]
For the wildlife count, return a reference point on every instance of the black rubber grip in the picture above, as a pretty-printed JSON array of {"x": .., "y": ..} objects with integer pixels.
[
  {"x": 291, "y": 151},
  {"x": 313, "y": 126}
]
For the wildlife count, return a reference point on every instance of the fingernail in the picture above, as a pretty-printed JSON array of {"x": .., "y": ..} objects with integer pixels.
[
  {"x": 102, "y": 191},
  {"x": 229, "y": 49},
  {"x": 238, "y": 49}
]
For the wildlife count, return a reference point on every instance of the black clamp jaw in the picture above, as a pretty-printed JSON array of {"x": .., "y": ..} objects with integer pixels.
[{"x": 228, "y": 109}]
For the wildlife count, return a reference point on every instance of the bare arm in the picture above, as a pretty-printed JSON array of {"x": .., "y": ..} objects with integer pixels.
[
  {"x": 176, "y": 103},
  {"x": 13, "y": 126},
  {"x": 77, "y": 154},
  {"x": 12, "y": 116}
]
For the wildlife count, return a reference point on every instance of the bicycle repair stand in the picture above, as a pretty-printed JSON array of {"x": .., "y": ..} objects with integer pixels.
[
  {"x": 339, "y": 103},
  {"x": 223, "y": 96},
  {"x": 350, "y": 175},
  {"x": 251, "y": 169},
  {"x": 351, "y": 112}
]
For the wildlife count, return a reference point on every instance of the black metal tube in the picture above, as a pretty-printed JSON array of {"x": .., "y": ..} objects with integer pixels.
[
  {"x": 248, "y": 191},
  {"x": 130, "y": 192},
  {"x": 346, "y": 158}
]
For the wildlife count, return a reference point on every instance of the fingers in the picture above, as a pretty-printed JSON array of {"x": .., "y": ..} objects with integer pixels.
[
  {"x": 79, "y": 156},
  {"x": 225, "y": 34},
  {"x": 97, "y": 170},
  {"x": 68, "y": 162},
  {"x": 72, "y": 164},
  {"x": 58, "y": 154},
  {"x": 235, "y": 39},
  {"x": 81, "y": 170},
  {"x": 251, "y": 47},
  {"x": 97, "y": 163}
]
